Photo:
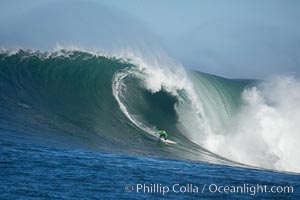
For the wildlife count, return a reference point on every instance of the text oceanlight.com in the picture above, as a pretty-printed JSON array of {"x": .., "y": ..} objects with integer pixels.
[{"x": 251, "y": 189}]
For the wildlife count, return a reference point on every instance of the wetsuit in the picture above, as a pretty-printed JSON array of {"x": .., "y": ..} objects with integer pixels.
[{"x": 163, "y": 133}]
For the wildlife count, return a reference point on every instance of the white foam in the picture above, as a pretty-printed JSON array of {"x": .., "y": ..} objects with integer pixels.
[{"x": 265, "y": 133}]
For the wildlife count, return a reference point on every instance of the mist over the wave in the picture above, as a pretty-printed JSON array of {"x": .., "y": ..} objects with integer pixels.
[{"x": 235, "y": 39}]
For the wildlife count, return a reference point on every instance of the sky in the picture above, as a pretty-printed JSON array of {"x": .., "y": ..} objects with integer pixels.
[{"x": 233, "y": 38}]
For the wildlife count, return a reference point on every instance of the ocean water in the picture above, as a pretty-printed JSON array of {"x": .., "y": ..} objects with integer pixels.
[
  {"x": 37, "y": 172},
  {"x": 81, "y": 125}
]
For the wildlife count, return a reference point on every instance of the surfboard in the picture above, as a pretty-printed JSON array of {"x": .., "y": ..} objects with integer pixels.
[{"x": 167, "y": 141}]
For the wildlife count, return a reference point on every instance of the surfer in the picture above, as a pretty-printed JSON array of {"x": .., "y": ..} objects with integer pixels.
[{"x": 163, "y": 133}]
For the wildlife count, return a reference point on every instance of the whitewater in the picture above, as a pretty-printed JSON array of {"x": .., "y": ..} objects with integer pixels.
[{"x": 117, "y": 102}]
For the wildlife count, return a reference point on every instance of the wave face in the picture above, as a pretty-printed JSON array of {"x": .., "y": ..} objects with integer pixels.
[{"x": 118, "y": 103}]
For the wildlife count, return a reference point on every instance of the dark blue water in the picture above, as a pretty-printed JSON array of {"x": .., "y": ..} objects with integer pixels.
[{"x": 31, "y": 171}]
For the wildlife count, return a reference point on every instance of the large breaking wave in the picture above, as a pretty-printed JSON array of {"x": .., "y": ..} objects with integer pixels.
[{"x": 117, "y": 103}]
